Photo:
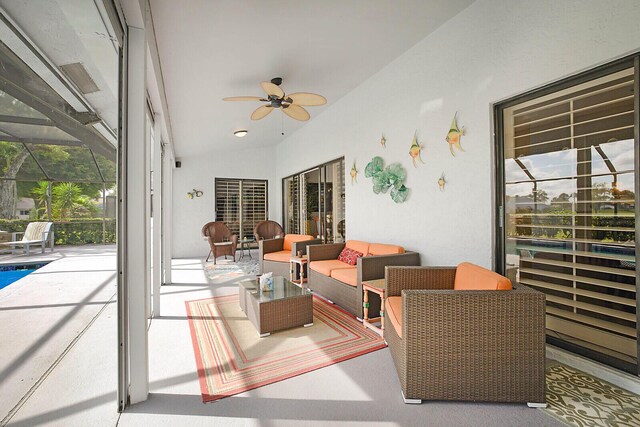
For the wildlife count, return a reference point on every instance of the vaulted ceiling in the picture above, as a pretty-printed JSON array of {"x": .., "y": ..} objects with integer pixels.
[{"x": 215, "y": 49}]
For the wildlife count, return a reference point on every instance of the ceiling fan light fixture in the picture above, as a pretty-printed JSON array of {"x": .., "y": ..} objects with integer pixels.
[
  {"x": 291, "y": 105},
  {"x": 241, "y": 133}
]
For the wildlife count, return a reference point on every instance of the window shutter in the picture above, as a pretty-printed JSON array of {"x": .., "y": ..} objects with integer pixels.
[
  {"x": 570, "y": 209},
  {"x": 241, "y": 204}
]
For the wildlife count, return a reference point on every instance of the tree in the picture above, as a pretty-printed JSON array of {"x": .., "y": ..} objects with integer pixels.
[
  {"x": 11, "y": 159},
  {"x": 68, "y": 201},
  {"x": 41, "y": 195},
  {"x": 561, "y": 198},
  {"x": 60, "y": 162},
  {"x": 540, "y": 195}
]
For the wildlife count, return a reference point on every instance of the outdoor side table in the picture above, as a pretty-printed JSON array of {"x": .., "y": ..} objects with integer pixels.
[
  {"x": 244, "y": 246},
  {"x": 375, "y": 286},
  {"x": 298, "y": 266}
]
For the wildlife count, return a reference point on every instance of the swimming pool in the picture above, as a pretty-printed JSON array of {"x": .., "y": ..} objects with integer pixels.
[{"x": 11, "y": 273}]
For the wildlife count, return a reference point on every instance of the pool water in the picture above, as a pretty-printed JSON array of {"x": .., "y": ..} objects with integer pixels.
[{"x": 12, "y": 273}]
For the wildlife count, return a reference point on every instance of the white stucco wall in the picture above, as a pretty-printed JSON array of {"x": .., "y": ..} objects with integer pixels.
[
  {"x": 490, "y": 51},
  {"x": 199, "y": 172}
]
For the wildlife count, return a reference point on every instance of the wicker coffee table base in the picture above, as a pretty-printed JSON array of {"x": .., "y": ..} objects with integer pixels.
[{"x": 272, "y": 316}]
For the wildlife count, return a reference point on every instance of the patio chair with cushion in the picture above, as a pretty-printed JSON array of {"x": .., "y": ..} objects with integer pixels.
[
  {"x": 274, "y": 254},
  {"x": 36, "y": 233},
  {"x": 267, "y": 230},
  {"x": 465, "y": 334},
  {"x": 221, "y": 240}
]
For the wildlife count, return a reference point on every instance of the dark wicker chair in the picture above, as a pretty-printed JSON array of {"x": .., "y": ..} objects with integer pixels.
[
  {"x": 221, "y": 240},
  {"x": 267, "y": 230},
  {"x": 466, "y": 345}
]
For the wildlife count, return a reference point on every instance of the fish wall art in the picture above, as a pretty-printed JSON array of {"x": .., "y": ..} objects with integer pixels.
[
  {"x": 442, "y": 182},
  {"x": 454, "y": 135},
  {"x": 416, "y": 150},
  {"x": 354, "y": 174}
]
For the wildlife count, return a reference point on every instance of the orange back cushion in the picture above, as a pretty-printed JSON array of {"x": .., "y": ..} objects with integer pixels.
[
  {"x": 292, "y": 238},
  {"x": 471, "y": 277},
  {"x": 358, "y": 246},
  {"x": 380, "y": 249}
]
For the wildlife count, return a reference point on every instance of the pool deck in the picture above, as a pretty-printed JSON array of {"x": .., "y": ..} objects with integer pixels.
[{"x": 43, "y": 314}]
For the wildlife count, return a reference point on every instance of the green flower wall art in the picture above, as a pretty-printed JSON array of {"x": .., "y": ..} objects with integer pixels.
[{"x": 392, "y": 177}]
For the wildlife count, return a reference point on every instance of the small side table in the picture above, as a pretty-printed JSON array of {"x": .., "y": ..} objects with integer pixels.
[
  {"x": 297, "y": 265},
  {"x": 375, "y": 286},
  {"x": 244, "y": 246}
]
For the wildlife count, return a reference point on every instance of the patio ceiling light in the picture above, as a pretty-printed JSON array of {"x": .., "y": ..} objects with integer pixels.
[{"x": 240, "y": 133}]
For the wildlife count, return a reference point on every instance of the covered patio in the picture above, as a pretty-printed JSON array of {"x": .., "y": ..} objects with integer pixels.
[
  {"x": 60, "y": 320},
  {"x": 399, "y": 140}
]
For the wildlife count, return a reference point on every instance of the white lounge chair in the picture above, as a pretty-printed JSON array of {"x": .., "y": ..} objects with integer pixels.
[{"x": 37, "y": 233}]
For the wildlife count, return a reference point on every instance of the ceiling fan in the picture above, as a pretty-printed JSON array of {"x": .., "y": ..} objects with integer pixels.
[{"x": 290, "y": 104}]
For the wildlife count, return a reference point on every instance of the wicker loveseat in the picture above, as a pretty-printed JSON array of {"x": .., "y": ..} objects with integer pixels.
[
  {"x": 341, "y": 283},
  {"x": 465, "y": 345},
  {"x": 274, "y": 254}
]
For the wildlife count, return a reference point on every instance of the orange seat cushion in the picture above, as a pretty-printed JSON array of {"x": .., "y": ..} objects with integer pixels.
[
  {"x": 292, "y": 238},
  {"x": 380, "y": 249},
  {"x": 280, "y": 256},
  {"x": 393, "y": 313},
  {"x": 358, "y": 246},
  {"x": 327, "y": 266},
  {"x": 471, "y": 277},
  {"x": 346, "y": 275}
]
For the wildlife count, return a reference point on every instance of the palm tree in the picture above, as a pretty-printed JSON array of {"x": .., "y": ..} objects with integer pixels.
[
  {"x": 41, "y": 195},
  {"x": 69, "y": 200}
]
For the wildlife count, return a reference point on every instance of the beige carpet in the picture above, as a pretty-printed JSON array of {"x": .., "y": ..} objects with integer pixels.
[{"x": 231, "y": 358}]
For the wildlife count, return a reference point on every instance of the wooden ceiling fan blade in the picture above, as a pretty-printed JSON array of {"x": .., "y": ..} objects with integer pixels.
[
  {"x": 296, "y": 112},
  {"x": 272, "y": 89},
  {"x": 244, "y": 98},
  {"x": 261, "y": 112},
  {"x": 308, "y": 99}
]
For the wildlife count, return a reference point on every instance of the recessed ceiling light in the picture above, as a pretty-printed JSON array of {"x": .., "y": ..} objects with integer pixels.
[{"x": 240, "y": 133}]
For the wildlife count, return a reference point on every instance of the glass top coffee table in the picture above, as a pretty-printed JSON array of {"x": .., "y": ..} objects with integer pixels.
[{"x": 286, "y": 306}]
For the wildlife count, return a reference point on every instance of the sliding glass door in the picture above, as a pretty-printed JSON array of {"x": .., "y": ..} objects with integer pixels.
[
  {"x": 311, "y": 202},
  {"x": 314, "y": 202},
  {"x": 568, "y": 203}
]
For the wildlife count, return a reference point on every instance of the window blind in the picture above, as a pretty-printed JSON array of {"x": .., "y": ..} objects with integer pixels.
[
  {"x": 241, "y": 204},
  {"x": 570, "y": 209},
  {"x": 254, "y": 205}
]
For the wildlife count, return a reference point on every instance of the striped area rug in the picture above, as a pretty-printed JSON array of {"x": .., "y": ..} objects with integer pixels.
[{"x": 231, "y": 358}]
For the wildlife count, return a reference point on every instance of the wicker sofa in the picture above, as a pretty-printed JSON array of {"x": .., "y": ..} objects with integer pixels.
[
  {"x": 465, "y": 345},
  {"x": 274, "y": 254},
  {"x": 341, "y": 283}
]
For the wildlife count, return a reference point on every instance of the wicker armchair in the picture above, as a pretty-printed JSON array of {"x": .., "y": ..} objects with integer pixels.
[
  {"x": 486, "y": 345},
  {"x": 267, "y": 230},
  {"x": 221, "y": 240},
  {"x": 274, "y": 254}
]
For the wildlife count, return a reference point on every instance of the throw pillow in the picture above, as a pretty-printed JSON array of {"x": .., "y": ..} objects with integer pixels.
[{"x": 349, "y": 256}]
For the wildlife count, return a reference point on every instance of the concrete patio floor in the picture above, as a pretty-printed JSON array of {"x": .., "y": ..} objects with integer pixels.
[
  {"x": 44, "y": 316},
  {"x": 61, "y": 364}
]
